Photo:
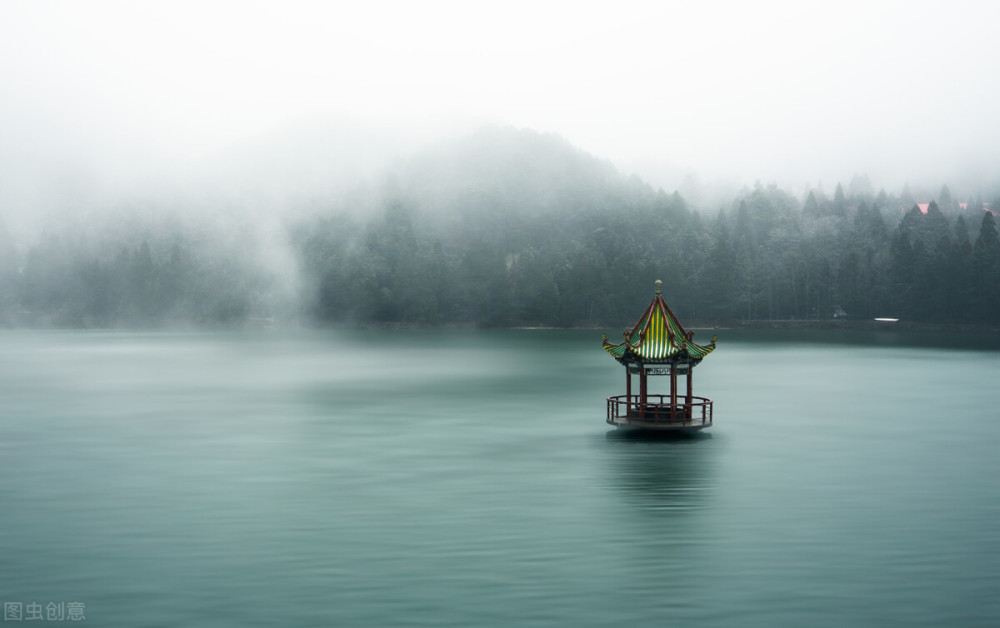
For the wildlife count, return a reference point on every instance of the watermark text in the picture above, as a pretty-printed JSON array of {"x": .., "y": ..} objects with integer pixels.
[{"x": 44, "y": 611}]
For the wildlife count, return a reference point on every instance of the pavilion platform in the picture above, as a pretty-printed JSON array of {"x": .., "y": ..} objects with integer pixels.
[{"x": 658, "y": 413}]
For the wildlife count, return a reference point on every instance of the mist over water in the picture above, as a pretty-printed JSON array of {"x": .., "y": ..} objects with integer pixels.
[{"x": 461, "y": 477}]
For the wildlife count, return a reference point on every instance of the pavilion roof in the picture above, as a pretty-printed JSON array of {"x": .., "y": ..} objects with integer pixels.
[{"x": 658, "y": 337}]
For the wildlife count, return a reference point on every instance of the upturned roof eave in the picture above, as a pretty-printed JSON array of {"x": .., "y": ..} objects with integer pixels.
[
  {"x": 630, "y": 351},
  {"x": 681, "y": 357}
]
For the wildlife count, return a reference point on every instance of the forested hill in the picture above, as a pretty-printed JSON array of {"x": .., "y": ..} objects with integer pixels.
[
  {"x": 503, "y": 228},
  {"x": 512, "y": 227}
]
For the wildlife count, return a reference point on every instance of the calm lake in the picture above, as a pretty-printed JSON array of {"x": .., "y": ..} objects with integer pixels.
[{"x": 459, "y": 478}]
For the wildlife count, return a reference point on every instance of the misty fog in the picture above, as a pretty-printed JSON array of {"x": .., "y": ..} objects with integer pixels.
[
  {"x": 179, "y": 164},
  {"x": 497, "y": 227},
  {"x": 301, "y": 302}
]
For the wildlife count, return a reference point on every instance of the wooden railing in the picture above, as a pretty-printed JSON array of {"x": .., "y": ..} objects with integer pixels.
[{"x": 625, "y": 409}]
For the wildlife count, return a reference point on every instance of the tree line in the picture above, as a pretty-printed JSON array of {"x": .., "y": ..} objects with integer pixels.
[
  {"x": 769, "y": 257},
  {"x": 528, "y": 232}
]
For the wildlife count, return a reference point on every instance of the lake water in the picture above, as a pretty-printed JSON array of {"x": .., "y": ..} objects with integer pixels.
[{"x": 457, "y": 478}]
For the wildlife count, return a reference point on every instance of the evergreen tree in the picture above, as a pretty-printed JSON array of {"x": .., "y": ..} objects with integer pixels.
[
  {"x": 961, "y": 233},
  {"x": 902, "y": 273},
  {"x": 869, "y": 225},
  {"x": 839, "y": 207},
  {"x": 988, "y": 241},
  {"x": 944, "y": 200},
  {"x": 720, "y": 279},
  {"x": 881, "y": 200},
  {"x": 811, "y": 208},
  {"x": 959, "y": 282},
  {"x": 986, "y": 270}
]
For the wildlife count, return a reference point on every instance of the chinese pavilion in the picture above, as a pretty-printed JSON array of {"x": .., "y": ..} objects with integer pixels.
[{"x": 659, "y": 345}]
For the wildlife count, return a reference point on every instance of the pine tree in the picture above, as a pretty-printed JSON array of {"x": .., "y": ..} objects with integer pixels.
[
  {"x": 839, "y": 208},
  {"x": 811, "y": 208},
  {"x": 986, "y": 270},
  {"x": 988, "y": 241},
  {"x": 944, "y": 199}
]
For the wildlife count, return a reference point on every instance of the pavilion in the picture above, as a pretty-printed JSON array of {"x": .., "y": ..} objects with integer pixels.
[{"x": 659, "y": 345}]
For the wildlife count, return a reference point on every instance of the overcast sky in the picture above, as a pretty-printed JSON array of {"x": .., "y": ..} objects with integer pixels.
[{"x": 777, "y": 91}]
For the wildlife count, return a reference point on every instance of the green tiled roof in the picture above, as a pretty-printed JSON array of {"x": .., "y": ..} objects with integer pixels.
[{"x": 658, "y": 337}]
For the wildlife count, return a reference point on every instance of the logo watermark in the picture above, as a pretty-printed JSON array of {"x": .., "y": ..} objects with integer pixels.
[{"x": 37, "y": 611}]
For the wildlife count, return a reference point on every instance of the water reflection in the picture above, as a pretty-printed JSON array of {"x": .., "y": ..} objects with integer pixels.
[{"x": 662, "y": 475}]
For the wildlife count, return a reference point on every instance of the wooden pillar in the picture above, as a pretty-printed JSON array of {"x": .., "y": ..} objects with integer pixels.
[
  {"x": 689, "y": 411},
  {"x": 673, "y": 392},
  {"x": 642, "y": 391},
  {"x": 628, "y": 390}
]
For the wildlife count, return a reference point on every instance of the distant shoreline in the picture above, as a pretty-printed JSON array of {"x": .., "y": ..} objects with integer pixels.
[
  {"x": 858, "y": 325},
  {"x": 703, "y": 327},
  {"x": 756, "y": 325}
]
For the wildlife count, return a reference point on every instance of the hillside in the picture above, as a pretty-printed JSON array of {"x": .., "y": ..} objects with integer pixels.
[{"x": 506, "y": 227}]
